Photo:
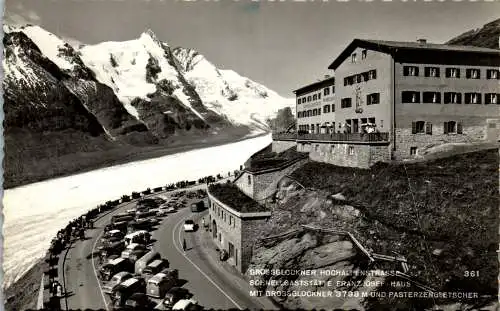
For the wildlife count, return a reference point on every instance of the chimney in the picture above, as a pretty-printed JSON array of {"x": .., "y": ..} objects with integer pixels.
[{"x": 422, "y": 41}]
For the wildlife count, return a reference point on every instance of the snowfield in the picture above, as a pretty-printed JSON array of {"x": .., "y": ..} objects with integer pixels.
[{"x": 34, "y": 213}]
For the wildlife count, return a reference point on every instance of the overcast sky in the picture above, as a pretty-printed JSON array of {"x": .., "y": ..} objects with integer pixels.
[{"x": 282, "y": 45}]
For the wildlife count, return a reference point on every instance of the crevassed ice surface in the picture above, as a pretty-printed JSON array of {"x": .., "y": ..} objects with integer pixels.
[{"x": 34, "y": 213}]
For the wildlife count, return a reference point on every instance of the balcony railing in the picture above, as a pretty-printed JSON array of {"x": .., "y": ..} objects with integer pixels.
[
  {"x": 284, "y": 136},
  {"x": 371, "y": 137}
]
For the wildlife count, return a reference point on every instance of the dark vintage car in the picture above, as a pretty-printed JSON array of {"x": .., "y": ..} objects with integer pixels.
[
  {"x": 171, "y": 297},
  {"x": 107, "y": 249},
  {"x": 143, "y": 224},
  {"x": 121, "y": 225},
  {"x": 138, "y": 301}
]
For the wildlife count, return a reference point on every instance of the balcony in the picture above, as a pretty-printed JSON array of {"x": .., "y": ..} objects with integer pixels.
[
  {"x": 350, "y": 137},
  {"x": 284, "y": 136}
]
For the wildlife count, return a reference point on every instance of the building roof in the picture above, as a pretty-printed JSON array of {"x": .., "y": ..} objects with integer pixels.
[
  {"x": 315, "y": 86},
  {"x": 232, "y": 196},
  {"x": 390, "y": 47}
]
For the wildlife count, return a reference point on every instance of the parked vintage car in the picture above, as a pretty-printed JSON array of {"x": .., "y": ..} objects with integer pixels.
[
  {"x": 140, "y": 236},
  {"x": 108, "y": 249},
  {"x": 138, "y": 301},
  {"x": 154, "y": 267},
  {"x": 134, "y": 251},
  {"x": 125, "y": 290},
  {"x": 113, "y": 267},
  {"x": 142, "y": 262},
  {"x": 116, "y": 280},
  {"x": 185, "y": 304},
  {"x": 159, "y": 284}
]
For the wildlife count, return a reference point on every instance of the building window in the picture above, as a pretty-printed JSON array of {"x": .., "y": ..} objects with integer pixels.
[
  {"x": 333, "y": 107},
  {"x": 326, "y": 108},
  {"x": 319, "y": 95},
  {"x": 452, "y": 127},
  {"x": 372, "y": 99},
  {"x": 326, "y": 91},
  {"x": 349, "y": 80},
  {"x": 410, "y": 71},
  {"x": 432, "y": 72},
  {"x": 413, "y": 151},
  {"x": 359, "y": 78},
  {"x": 315, "y": 97},
  {"x": 491, "y": 98},
  {"x": 372, "y": 74},
  {"x": 319, "y": 111},
  {"x": 492, "y": 74},
  {"x": 473, "y": 74},
  {"x": 346, "y": 103},
  {"x": 452, "y": 98},
  {"x": 303, "y": 100},
  {"x": 408, "y": 97},
  {"x": 308, "y": 98},
  {"x": 312, "y": 128},
  {"x": 249, "y": 180},
  {"x": 332, "y": 148},
  {"x": 298, "y": 101},
  {"x": 431, "y": 97},
  {"x": 452, "y": 72},
  {"x": 418, "y": 127},
  {"x": 333, "y": 89},
  {"x": 363, "y": 54},
  {"x": 353, "y": 58},
  {"x": 472, "y": 98},
  {"x": 350, "y": 150}
]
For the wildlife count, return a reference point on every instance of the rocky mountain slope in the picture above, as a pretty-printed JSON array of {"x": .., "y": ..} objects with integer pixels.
[
  {"x": 488, "y": 36},
  {"x": 62, "y": 100},
  {"x": 420, "y": 211}
]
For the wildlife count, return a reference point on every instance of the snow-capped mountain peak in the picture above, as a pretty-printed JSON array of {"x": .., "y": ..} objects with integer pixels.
[
  {"x": 150, "y": 35},
  {"x": 240, "y": 99},
  {"x": 146, "y": 79}
]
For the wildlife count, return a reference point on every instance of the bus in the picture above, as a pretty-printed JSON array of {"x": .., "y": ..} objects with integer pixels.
[{"x": 197, "y": 207}]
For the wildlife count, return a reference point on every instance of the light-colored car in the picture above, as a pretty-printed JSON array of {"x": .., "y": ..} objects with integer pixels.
[
  {"x": 183, "y": 304},
  {"x": 132, "y": 249},
  {"x": 189, "y": 225},
  {"x": 115, "y": 281}
]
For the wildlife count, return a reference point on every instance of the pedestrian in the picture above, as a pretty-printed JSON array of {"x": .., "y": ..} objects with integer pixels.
[{"x": 184, "y": 244}]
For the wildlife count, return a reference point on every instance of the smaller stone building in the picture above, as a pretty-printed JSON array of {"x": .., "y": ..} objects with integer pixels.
[{"x": 236, "y": 221}]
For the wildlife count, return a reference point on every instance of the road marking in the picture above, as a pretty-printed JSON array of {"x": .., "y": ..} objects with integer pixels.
[
  {"x": 95, "y": 273},
  {"x": 198, "y": 268}
]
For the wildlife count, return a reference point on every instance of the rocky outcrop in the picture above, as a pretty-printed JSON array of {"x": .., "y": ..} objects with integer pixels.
[{"x": 487, "y": 36}]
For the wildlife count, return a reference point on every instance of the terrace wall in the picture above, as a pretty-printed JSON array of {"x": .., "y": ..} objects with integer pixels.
[
  {"x": 362, "y": 155},
  {"x": 279, "y": 146}
]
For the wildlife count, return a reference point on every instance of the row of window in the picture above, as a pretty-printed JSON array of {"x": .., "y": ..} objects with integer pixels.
[
  {"x": 470, "y": 73},
  {"x": 360, "y": 77},
  {"x": 316, "y": 111},
  {"x": 223, "y": 215},
  {"x": 449, "y": 127},
  {"x": 352, "y": 126},
  {"x": 317, "y": 96},
  {"x": 408, "y": 97}
]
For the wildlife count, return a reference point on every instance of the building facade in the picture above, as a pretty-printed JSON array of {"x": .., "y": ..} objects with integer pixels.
[
  {"x": 396, "y": 99},
  {"x": 421, "y": 94},
  {"x": 315, "y": 106},
  {"x": 235, "y": 231}
]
